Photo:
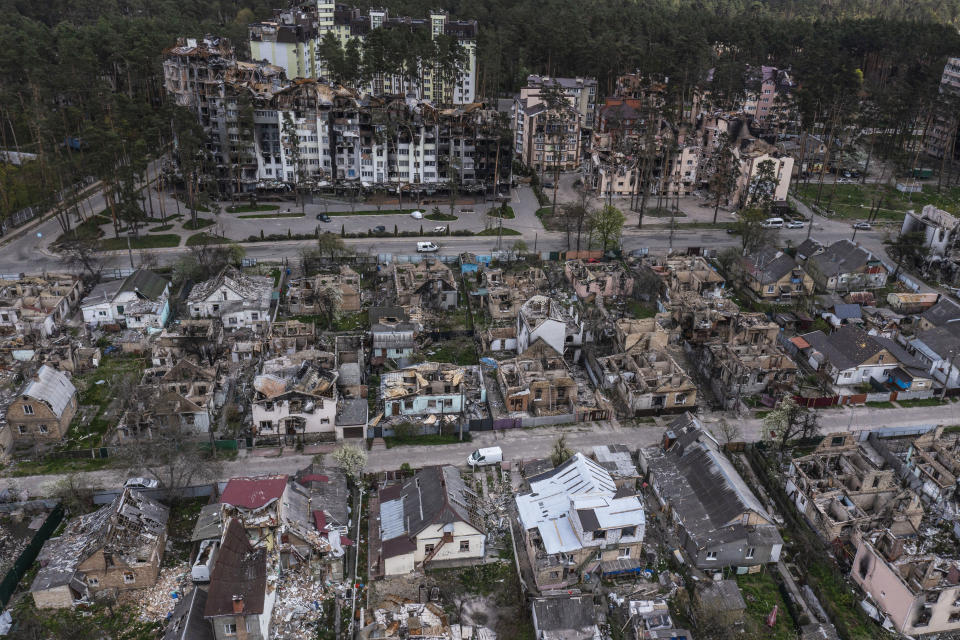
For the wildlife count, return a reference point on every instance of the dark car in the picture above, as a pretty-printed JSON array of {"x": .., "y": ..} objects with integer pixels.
[
  {"x": 322, "y": 217},
  {"x": 379, "y": 229},
  {"x": 548, "y": 185},
  {"x": 731, "y": 230}
]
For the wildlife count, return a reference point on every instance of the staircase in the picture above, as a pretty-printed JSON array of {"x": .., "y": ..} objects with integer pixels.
[{"x": 447, "y": 537}]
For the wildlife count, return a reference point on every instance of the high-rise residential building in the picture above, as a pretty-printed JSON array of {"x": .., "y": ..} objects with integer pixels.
[
  {"x": 942, "y": 134},
  {"x": 291, "y": 40}
]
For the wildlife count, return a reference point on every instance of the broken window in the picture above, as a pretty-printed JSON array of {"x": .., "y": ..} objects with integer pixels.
[
  {"x": 93, "y": 582},
  {"x": 600, "y": 535},
  {"x": 464, "y": 545},
  {"x": 750, "y": 553},
  {"x": 428, "y": 548},
  {"x": 266, "y": 425},
  {"x": 28, "y": 409},
  {"x": 42, "y": 428},
  {"x": 22, "y": 429},
  {"x": 129, "y": 577},
  {"x": 627, "y": 532},
  {"x": 711, "y": 555},
  {"x": 230, "y": 629}
]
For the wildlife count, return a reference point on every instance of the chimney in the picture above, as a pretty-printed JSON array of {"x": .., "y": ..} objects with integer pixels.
[{"x": 237, "y": 604}]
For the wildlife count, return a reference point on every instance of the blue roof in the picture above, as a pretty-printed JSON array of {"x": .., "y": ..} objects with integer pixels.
[{"x": 847, "y": 311}]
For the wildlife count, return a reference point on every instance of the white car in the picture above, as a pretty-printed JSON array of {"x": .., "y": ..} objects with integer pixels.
[
  {"x": 416, "y": 215},
  {"x": 795, "y": 224},
  {"x": 427, "y": 247},
  {"x": 440, "y": 228},
  {"x": 140, "y": 483},
  {"x": 863, "y": 226}
]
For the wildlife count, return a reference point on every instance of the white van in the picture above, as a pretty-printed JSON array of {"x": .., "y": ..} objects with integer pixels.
[
  {"x": 427, "y": 247},
  {"x": 772, "y": 223},
  {"x": 482, "y": 457}
]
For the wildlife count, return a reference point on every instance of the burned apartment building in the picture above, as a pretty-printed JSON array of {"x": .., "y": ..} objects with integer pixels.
[
  {"x": 38, "y": 305},
  {"x": 119, "y": 546},
  {"x": 426, "y": 285},
  {"x": 845, "y": 486},
  {"x": 934, "y": 459},
  {"x": 644, "y": 383},
  {"x": 313, "y": 294}
]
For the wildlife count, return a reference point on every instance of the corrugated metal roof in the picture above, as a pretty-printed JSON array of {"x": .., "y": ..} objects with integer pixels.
[
  {"x": 51, "y": 387},
  {"x": 391, "y": 519}
]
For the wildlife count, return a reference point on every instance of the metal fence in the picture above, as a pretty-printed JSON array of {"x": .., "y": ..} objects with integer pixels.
[
  {"x": 543, "y": 421},
  {"x": 28, "y": 555}
]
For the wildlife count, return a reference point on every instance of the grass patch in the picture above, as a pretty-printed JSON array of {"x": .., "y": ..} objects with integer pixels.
[
  {"x": 883, "y": 404},
  {"x": 89, "y": 229},
  {"x": 920, "y": 402},
  {"x": 638, "y": 309},
  {"x": 204, "y": 237},
  {"x": 161, "y": 228},
  {"x": 440, "y": 217},
  {"x": 345, "y": 322},
  {"x": 183, "y": 516},
  {"x": 274, "y": 215},
  {"x": 954, "y": 428},
  {"x": 760, "y": 592},
  {"x": 372, "y": 212},
  {"x": 425, "y": 440},
  {"x": 762, "y": 414},
  {"x": 56, "y": 466},
  {"x": 845, "y": 606},
  {"x": 494, "y": 231},
  {"x": 462, "y": 352},
  {"x": 201, "y": 223},
  {"x": 504, "y": 211},
  {"x": 252, "y": 208},
  {"x": 664, "y": 213},
  {"x": 544, "y": 211},
  {"x": 853, "y": 201},
  {"x": 143, "y": 242}
]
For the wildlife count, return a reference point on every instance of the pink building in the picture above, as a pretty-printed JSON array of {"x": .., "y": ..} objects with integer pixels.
[
  {"x": 917, "y": 588},
  {"x": 606, "y": 279}
]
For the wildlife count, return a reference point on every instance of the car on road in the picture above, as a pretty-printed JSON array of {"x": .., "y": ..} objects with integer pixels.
[
  {"x": 548, "y": 185},
  {"x": 416, "y": 215},
  {"x": 140, "y": 483},
  {"x": 440, "y": 228},
  {"x": 322, "y": 217},
  {"x": 865, "y": 226},
  {"x": 795, "y": 224},
  {"x": 731, "y": 230},
  {"x": 380, "y": 229},
  {"x": 427, "y": 247}
]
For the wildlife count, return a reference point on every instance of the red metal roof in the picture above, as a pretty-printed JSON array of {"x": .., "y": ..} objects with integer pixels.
[
  {"x": 253, "y": 493},
  {"x": 320, "y": 520},
  {"x": 800, "y": 342},
  {"x": 345, "y": 541},
  {"x": 315, "y": 477}
]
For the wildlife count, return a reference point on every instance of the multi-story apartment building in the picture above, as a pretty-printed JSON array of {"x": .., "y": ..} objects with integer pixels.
[
  {"x": 292, "y": 41},
  {"x": 547, "y": 139},
  {"x": 942, "y": 134},
  {"x": 581, "y": 93},
  {"x": 264, "y": 130},
  {"x": 768, "y": 95}
]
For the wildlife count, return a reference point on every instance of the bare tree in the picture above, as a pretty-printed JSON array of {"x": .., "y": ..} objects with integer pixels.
[{"x": 81, "y": 254}]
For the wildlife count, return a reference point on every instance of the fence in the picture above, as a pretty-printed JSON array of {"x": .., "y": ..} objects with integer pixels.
[
  {"x": 26, "y": 558},
  {"x": 543, "y": 421}
]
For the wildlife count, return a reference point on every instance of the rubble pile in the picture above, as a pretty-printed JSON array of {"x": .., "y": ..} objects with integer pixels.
[
  {"x": 299, "y": 604},
  {"x": 155, "y": 603}
]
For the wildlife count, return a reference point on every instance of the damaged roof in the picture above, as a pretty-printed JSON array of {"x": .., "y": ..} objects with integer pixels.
[
  {"x": 239, "y": 577},
  {"x": 253, "y": 492},
  {"x": 186, "y": 621},
  {"x": 51, "y": 387}
]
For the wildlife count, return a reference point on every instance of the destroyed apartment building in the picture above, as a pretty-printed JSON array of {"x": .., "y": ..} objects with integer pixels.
[
  {"x": 576, "y": 521},
  {"x": 599, "y": 279},
  {"x": 846, "y": 486},
  {"x": 118, "y": 547},
  {"x": 648, "y": 383},
  {"x": 934, "y": 459}
]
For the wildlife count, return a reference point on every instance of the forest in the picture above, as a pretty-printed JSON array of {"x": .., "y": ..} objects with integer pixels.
[{"x": 90, "y": 70}]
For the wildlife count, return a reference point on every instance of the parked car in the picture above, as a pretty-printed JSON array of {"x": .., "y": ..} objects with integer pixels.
[
  {"x": 416, "y": 215},
  {"x": 483, "y": 457},
  {"x": 380, "y": 229},
  {"x": 865, "y": 226},
  {"x": 795, "y": 224},
  {"x": 322, "y": 217},
  {"x": 440, "y": 228},
  {"x": 427, "y": 247},
  {"x": 548, "y": 185},
  {"x": 140, "y": 483},
  {"x": 731, "y": 230}
]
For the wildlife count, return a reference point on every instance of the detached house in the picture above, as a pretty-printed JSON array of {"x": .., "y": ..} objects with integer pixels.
[
  {"x": 179, "y": 397},
  {"x": 393, "y": 335},
  {"x": 851, "y": 356},
  {"x": 545, "y": 324},
  {"x": 428, "y": 284},
  {"x": 845, "y": 266},
  {"x": 140, "y": 300},
  {"x": 297, "y": 401},
  {"x": 237, "y": 299},
  {"x": 719, "y": 520},
  {"x": 773, "y": 274},
  {"x": 120, "y": 546},
  {"x": 42, "y": 413},
  {"x": 431, "y": 388},
  {"x": 431, "y": 519},
  {"x": 576, "y": 521}
]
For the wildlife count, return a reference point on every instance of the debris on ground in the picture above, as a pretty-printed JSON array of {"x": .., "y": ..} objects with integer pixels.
[
  {"x": 157, "y": 602},
  {"x": 299, "y": 604}
]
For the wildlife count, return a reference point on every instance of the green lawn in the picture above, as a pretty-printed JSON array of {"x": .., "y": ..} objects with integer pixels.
[
  {"x": 161, "y": 228},
  {"x": 505, "y": 212},
  {"x": 202, "y": 237},
  {"x": 56, "y": 466},
  {"x": 344, "y": 322},
  {"x": 143, "y": 242},
  {"x": 664, "y": 213},
  {"x": 922, "y": 402},
  {"x": 274, "y": 215},
  {"x": 853, "y": 201},
  {"x": 494, "y": 231},
  {"x": 252, "y": 208},
  {"x": 760, "y": 592},
  {"x": 640, "y": 310},
  {"x": 461, "y": 351},
  {"x": 440, "y": 217},
  {"x": 879, "y": 405},
  {"x": 89, "y": 229},
  {"x": 202, "y": 223}
]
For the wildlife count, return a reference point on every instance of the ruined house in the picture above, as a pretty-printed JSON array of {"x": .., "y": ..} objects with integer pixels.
[
  {"x": 507, "y": 291},
  {"x": 38, "y": 304},
  {"x": 393, "y": 335},
  {"x": 41, "y": 413},
  {"x": 644, "y": 383},
  {"x": 179, "y": 398},
  {"x": 641, "y": 334},
  {"x": 545, "y": 325},
  {"x": 846, "y": 486},
  {"x": 119, "y": 546},
  {"x": 431, "y": 389},
  {"x": 236, "y": 299},
  {"x": 300, "y": 400},
  {"x": 428, "y": 284},
  {"x": 303, "y": 294},
  {"x": 290, "y": 336},
  {"x": 541, "y": 386},
  {"x": 735, "y": 372},
  {"x": 934, "y": 458},
  {"x": 603, "y": 279}
]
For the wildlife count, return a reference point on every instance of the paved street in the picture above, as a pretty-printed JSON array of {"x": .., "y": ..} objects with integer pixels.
[{"x": 525, "y": 444}]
